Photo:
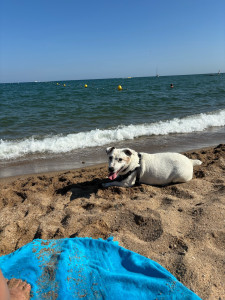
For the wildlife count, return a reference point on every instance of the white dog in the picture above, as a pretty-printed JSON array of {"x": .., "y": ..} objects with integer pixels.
[{"x": 129, "y": 167}]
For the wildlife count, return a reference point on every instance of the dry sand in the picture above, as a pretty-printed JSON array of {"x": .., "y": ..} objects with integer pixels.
[{"x": 181, "y": 226}]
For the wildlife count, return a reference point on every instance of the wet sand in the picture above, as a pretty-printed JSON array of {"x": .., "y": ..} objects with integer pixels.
[{"x": 181, "y": 226}]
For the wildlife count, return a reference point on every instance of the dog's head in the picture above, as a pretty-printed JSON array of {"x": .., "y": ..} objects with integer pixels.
[{"x": 119, "y": 161}]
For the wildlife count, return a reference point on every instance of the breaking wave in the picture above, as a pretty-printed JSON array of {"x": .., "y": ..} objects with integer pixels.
[{"x": 62, "y": 144}]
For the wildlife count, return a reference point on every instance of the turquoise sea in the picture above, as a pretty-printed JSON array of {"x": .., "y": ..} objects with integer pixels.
[{"x": 59, "y": 125}]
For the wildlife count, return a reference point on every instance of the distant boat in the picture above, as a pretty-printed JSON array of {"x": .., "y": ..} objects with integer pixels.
[{"x": 215, "y": 74}]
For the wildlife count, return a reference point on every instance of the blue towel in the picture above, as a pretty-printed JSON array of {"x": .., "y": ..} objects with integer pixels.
[{"x": 84, "y": 268}]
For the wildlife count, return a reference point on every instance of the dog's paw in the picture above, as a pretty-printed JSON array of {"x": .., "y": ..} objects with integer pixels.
[{"x": 105, "y": 185}]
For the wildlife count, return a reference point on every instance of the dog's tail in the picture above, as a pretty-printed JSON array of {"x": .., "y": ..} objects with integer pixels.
[{"x": 196, "y": 162}]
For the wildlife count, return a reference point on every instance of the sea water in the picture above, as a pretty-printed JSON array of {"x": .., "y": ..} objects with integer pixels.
[{"x": 60, "y": 125}]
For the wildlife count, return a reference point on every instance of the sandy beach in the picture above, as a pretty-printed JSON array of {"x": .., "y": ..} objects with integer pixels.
[{"x": 181, "y": 226}]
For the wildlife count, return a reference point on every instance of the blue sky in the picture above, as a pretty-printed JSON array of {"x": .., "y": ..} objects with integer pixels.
[{"x": 73, "y": 39}]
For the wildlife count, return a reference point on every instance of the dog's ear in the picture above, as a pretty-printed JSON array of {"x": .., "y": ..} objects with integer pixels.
[
  {"x": 109, "y": 149},
  {"x": 127, "y": 152}
]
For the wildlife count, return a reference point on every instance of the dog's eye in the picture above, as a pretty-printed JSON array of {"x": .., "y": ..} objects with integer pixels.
[
  {"x": 110, "y": 157},
  {"x": 120, "y": 159}
]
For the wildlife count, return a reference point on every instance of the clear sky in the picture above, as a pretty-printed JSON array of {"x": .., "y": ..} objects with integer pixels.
[{"x": 47, "y": 40}]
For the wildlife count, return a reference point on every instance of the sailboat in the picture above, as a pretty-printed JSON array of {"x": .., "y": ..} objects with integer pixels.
[{"x": 214, "y": 74}]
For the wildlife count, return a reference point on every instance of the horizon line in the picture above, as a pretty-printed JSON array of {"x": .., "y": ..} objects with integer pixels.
[{"x": 129, "y": 77}]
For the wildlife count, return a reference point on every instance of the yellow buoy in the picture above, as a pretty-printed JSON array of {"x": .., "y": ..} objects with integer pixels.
[
  {"x": 119, "y": 88},
  {"x": 57, "y": 83},
  {"x": 85, "y": 85},
  {"x": 64, "y": 84}
]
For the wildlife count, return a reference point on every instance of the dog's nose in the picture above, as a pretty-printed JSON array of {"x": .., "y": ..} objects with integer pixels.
[{"x": 111, "y": 169}]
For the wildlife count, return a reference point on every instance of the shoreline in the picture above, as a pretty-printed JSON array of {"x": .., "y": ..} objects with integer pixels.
[
  {"x": 94, "y": 156},
  {"x": 180, "y": 226},
  {"x": 91, "y": 167}
]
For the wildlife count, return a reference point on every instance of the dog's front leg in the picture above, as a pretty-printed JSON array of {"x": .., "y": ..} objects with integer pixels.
[
  {"x": 130, "y": 181},
  {"x": 114, "y": 183}
]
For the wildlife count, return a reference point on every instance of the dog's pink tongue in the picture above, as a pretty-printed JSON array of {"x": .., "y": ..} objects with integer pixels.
[{"x": 112, "y": 176}]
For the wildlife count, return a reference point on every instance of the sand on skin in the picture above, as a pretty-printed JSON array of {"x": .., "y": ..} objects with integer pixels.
[{"x": 181, "y": 226}]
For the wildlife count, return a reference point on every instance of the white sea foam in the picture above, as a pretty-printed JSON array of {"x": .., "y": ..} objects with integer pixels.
[{"x": 63, "y": 144}]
